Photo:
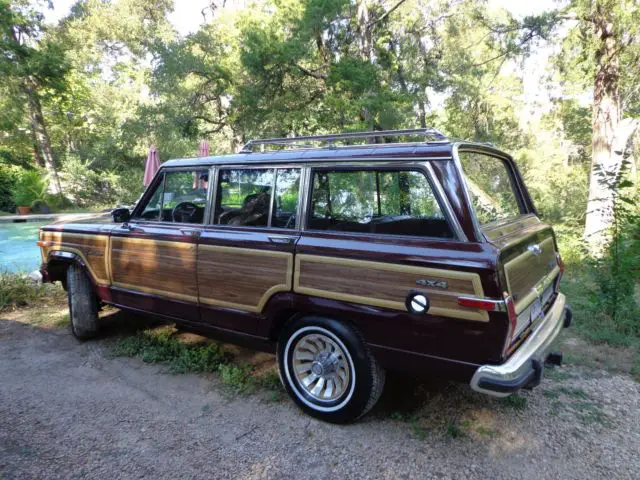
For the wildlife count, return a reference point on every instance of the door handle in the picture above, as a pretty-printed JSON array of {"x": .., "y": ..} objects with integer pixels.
[
  {"x": 282, "y": 239},
  {"x": 190, "y": 232}
]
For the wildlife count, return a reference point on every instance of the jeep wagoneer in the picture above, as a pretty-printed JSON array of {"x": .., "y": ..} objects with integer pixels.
[{"x": 346, "y": 258}]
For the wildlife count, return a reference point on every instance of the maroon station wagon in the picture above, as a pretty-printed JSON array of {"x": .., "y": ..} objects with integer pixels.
[{"x": 346, "y": 258}]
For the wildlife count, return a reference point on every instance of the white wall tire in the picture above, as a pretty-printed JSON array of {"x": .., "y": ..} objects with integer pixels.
[{"x": 327, "y": 369}]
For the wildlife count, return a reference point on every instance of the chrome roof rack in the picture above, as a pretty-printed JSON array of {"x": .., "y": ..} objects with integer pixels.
[{"x": 330, "y": 140}]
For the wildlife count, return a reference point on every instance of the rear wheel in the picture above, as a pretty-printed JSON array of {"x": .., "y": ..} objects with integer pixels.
[
  {"x": 327, "y": 369},
  {"x": 83, "y": 304}
]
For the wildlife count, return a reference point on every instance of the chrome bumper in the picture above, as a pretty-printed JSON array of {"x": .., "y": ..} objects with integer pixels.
[{"x": 524, "y": 367}]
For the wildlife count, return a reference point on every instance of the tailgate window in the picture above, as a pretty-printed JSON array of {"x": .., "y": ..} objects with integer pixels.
[{"x": 491, "y": 187}]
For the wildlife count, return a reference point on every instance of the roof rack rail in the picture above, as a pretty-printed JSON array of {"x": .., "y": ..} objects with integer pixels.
[{"x": 330, "y": 139}]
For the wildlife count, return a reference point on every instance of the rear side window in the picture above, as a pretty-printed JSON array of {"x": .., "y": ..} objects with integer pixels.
[
  {"x": 258, "y": 197},
  {"x": 490, "y": 187},
  {"x": 393, "y": 202}
]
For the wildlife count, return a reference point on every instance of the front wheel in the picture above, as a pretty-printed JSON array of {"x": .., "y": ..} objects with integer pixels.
[
  {"x": 327, "y": 369},
  {"x": 83, "y": 304}
]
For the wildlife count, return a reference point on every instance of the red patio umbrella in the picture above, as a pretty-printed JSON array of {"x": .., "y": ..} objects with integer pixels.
[
  {"x": 151, "y": 166},
  {"x": 204, "y": 149}
]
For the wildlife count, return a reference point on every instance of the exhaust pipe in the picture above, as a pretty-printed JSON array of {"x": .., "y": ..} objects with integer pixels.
[{"x": 554, "y": 358}]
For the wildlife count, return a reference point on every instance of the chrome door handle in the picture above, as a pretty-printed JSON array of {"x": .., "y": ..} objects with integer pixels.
[
  {"x": 281, "y": 239},
  {"x": 190, "y": 232},
  {"x": 535, "y": 249}
]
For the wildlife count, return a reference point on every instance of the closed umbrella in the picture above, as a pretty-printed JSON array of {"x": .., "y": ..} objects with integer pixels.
[
  {"x": 198, "y": 180},
  {"x": 152, "y": 165},
  {"x": 204, "y": 149}
]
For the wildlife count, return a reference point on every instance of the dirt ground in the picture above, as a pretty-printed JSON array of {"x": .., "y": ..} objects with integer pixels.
[{"x": 73, "y": 410}]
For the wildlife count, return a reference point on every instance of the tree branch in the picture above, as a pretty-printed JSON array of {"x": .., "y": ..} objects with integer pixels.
[
  {"x": 385, "y": 14},
  {"x": 318, "y": 75}
]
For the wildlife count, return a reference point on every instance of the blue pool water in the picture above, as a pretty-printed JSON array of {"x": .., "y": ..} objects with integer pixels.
[{"x": 18, "y": 249}]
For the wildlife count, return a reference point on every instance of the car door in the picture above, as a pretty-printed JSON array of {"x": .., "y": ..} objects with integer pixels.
[
  {"x": 153, "y": 256},
  {"x": 245, "y": 255}
]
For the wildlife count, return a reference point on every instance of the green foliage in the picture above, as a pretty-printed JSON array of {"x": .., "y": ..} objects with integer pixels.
[
  {"x": 18, "y": 290},
  {"x": 8, "y": 178},
  {"x": 154, "y": 347},
  {"x": 29, "y": 186}
]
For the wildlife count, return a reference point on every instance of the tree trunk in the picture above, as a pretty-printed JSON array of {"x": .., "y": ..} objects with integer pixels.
[
  {"x": 605, "y": 164},
  {"x": 42, "y": 137}
]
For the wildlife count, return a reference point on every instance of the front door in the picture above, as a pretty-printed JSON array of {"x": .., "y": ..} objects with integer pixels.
[
  {"x": 153, "y": 256},
  {"x": 245, "y": 256}
]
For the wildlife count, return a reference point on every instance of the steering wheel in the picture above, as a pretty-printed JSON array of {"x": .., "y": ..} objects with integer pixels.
[{"x": 184, "y": 212}]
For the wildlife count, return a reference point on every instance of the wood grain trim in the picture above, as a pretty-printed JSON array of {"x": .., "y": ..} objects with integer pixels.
[
  {"x": 448, "y": 297},
  {"x": 160, "y": 267},
  {"x": 534, "y": 267},
  {"x": 285, "y": 286},
  {"x": 160, "y": 243},
  {"x": 59, "y": 238},
  {"x": 107, "y": 260}
]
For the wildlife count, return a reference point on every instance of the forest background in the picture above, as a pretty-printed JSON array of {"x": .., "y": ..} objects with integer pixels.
[{"x": 84, "y": 95}]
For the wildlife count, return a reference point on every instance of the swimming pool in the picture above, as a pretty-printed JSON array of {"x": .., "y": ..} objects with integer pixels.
[{"x": 18, "y": 249}]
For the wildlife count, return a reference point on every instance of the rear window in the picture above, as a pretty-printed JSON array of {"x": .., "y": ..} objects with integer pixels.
[{"x": 490, "y": 187}]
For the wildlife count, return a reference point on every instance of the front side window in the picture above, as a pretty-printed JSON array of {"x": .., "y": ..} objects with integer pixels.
[
  {"x": 180, "y": 196},
  {"x": 393, "y": 202},
  {"x": 490, "y": 187}
]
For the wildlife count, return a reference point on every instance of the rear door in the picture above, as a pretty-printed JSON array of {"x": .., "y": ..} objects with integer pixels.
[
  {"x": 528, "y": 262},
  {"x": 152, "y": 258},
  {"x": 245, "y": 256}
]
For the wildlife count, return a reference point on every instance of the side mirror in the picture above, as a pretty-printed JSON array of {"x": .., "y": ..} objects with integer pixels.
[{"x": 121, "y": 215}]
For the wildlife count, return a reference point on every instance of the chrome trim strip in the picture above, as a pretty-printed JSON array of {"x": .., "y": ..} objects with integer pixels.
[
  {"x": 444, "y": 202},
  {"x": 210, "y": 187},
  {"x": 273, "y": 196},
  {"x": 213, "y": 194},
  {"x": 536, "y": 346},
  {"x": 303, "y": 208}
]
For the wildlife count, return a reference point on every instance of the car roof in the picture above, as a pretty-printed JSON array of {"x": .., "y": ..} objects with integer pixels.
[{"x": 372, "y": 152}]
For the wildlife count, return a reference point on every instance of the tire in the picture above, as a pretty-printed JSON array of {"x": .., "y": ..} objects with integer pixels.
[
  {"x": 327, "y": 369},
  {"x": 83, "y": 304}
]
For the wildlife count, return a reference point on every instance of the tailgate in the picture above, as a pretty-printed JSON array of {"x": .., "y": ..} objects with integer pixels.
[{"x": 530, "y": 266}]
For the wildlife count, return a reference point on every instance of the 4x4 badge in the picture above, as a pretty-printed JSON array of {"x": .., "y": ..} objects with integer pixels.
[{"x": 432, "y": 283}]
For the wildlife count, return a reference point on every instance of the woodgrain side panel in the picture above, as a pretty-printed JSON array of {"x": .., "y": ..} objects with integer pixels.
[
  {"x": 91, "y": 248},
  {"x": 151, "y": 266},
  {"x": 242, "y": 278},
  {"x": 525, "y": 271},
  {"x": 386, "y": 285}
]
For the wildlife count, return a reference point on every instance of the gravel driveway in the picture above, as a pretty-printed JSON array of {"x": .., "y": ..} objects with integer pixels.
[{"x": 71, "y": 410}]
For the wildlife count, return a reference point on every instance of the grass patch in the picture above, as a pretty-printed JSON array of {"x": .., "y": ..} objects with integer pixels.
[
  {"x": 635, "y": 370},
  {"x": 578, "y": 393},
  {"x": 18, "y": 290},
  {"x": 516, "y": 402},
  {"x": 455, "y": 430},
  {"x": 160, "y": 346}
]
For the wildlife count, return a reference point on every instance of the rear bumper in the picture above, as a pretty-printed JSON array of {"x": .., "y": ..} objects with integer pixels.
[{"x": 524, "y": 367}]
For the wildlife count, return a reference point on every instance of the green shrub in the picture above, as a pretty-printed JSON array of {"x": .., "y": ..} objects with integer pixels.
[
  {"x": 88, "y": 187},
  {"x": 8, "y": 178},
  {"x": 18, "y": 290},
  {"x": 29, "y": 186}
]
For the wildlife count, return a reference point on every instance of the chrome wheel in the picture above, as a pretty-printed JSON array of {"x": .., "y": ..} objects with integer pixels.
[{"x": 321, "y": 367}]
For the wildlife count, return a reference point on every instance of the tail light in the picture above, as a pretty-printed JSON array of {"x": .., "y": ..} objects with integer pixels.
[
  {"x": 513, "y": 320},
  {"x": 480, "y": 303},
  {"x": 560, "y": 265}
]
